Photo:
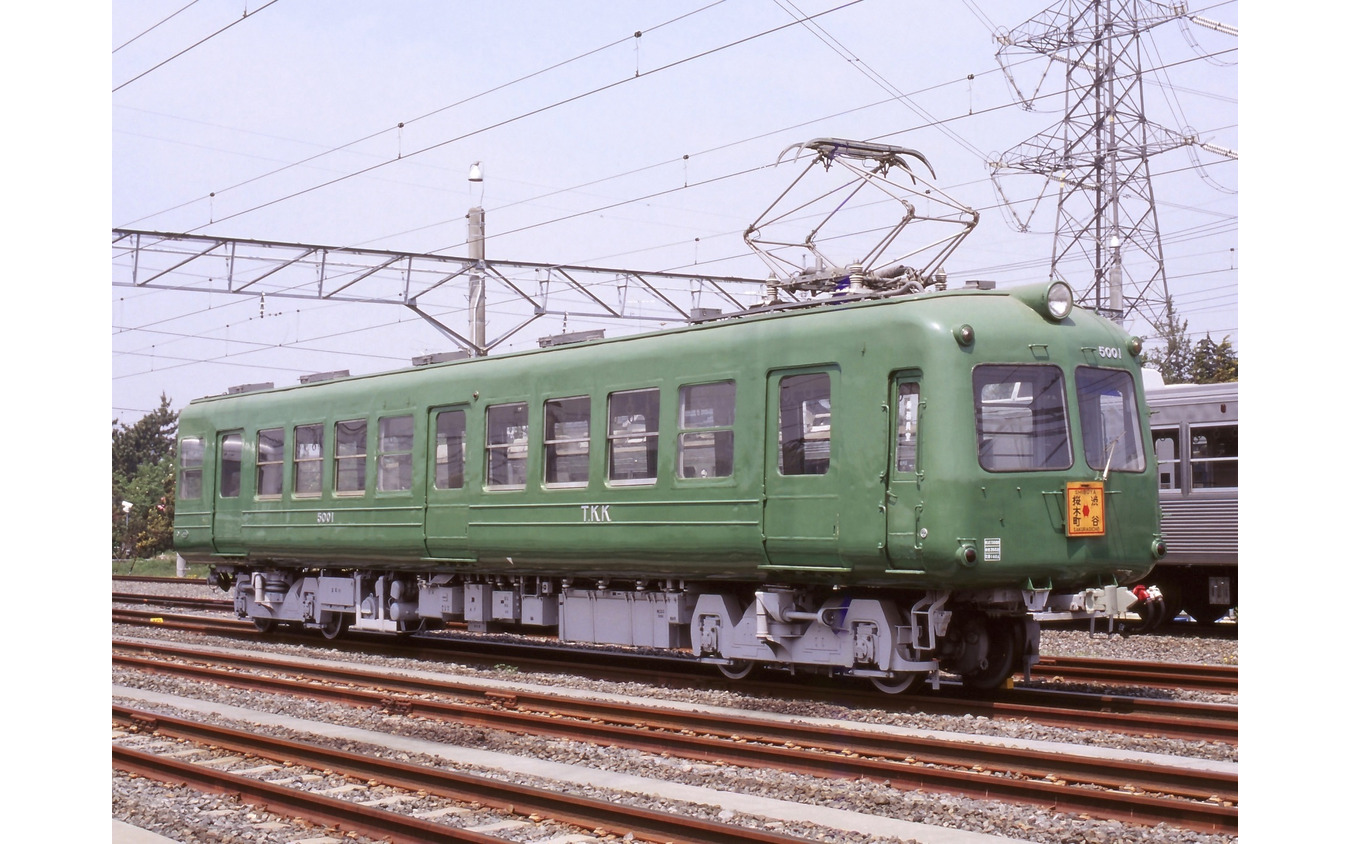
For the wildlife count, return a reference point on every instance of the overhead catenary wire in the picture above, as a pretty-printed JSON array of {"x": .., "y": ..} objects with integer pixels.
[
  {"x": 522, "y": 116},
  {"x": 194, "y": 45}
]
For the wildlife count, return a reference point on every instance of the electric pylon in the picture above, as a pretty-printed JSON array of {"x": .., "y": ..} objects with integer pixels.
[{"x": 1096, "y": 160}]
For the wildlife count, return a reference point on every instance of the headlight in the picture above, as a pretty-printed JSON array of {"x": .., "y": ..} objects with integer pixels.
[
  {"x": 1059, "y": 300},
  {"x": 1053, "y": 301}
]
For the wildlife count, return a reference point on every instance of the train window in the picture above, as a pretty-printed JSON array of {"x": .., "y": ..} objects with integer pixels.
[
  {"x": 395, "y": 456},
  {"x": 804, "y": 424},
  {"x": 308, "y": 478},
  {"x": 706, "y": 442},
  {"x": 450, "y": 449},
  {"x": 350, "y": 469},
  {"x": 567, "y": 441},
  {"x": 508, "y": 443},
  {"x": 1214, "y": 456},
  {"x": 231, "y": 464},
  {"x": 907, "y": 427},
  {"x": 1166, "y": 443},
  {"x": 1110, "y": 418},
  {"x": 1020, "y": 419},
  {"x": 271, "y": 465},
  {"x": 190, "y": 459},
  {"x": 634, "y": 423}
]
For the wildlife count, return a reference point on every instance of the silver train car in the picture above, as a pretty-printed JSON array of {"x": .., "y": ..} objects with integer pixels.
[{"x": 1195, "y": 437}]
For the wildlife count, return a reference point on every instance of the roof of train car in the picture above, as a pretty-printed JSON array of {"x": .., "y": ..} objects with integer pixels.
[
  {"x": 1174, "y": 394},
  {"x": 809, "y": 310}
]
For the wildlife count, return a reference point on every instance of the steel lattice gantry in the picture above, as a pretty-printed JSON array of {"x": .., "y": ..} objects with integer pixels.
[{"x": 433, "y": 286}]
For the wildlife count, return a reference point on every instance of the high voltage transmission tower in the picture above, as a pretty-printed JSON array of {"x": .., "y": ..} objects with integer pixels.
[{"x": 1096, "y": 160}]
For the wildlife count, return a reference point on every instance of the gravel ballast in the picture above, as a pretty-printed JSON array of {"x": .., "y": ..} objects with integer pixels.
[{"x": 183, "y": 816}]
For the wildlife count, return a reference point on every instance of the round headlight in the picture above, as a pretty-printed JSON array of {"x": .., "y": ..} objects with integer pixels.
[{"x": 1059, "y": 299}]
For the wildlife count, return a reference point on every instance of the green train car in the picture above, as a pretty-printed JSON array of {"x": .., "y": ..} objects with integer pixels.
[{"x": 883, "y": 488}]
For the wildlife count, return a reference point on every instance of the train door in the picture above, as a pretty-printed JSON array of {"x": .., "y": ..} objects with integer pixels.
[
  {"x": 227, "y": 523},
  {"x": 801, "y": 476},
  {"x": 904, "y": 494},
  {"x": 447, "y": 516}
]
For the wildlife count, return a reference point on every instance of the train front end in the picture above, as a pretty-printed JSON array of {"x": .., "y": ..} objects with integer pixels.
[{"x": 1051, "y": 480}]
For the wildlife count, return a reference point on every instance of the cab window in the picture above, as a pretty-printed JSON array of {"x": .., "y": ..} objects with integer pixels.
[
  {"x": 1110, "y": 419},
  {"x": 1021, "y": 424}
]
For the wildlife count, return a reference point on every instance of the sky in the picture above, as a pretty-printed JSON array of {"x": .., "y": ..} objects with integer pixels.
[{"x": 627, "y": 135}]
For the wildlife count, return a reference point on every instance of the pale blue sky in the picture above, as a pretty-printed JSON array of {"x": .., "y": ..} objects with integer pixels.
[{"x": 728, "y": 84}]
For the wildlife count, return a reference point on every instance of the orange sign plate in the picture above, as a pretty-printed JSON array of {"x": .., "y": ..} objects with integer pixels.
[{"x": 1086, "y": 514}]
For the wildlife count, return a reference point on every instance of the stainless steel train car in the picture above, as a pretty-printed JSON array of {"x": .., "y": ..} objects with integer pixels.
[{"x": 1195, "y": 437}]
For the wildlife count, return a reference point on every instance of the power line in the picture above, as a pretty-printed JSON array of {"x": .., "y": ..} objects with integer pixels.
[
  {"x": 156, "y": 26},
  {"x": 245, "y": 17},
  {"x": 531, "y": 113},
  {"x": 432, "y": 113}
]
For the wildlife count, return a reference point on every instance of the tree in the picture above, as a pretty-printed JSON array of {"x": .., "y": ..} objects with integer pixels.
[
  {"x": 143, "y": 468},
  {"x": 1175, "y": 359},
  {"x": 1214, "y": 363}
]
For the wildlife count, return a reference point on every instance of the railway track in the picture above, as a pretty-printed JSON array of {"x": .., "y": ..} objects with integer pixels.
[
  {"x": 1207, "y": 678},
  {"x": 1075, "y": 710},
  {"x": 409, "y": 782},
  {"x": 1103, "y": 788}
]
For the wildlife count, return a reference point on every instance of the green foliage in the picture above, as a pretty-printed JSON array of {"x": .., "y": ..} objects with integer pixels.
[
  {"x": 1174, "y": 359},
  {"x": 1182, "y": 362},
  {"x": 1214, "y": 363},
  {"x": 143, "y": 476}
]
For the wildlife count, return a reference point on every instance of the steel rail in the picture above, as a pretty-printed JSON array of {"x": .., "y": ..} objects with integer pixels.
[
  {"x": 1195, "y": 676},
  {"x": 316, "y": 808},
  {"x": 220, "y": 604},
  {"x": 501, "y": 795},
  {"x": 1127, "y": 806}
]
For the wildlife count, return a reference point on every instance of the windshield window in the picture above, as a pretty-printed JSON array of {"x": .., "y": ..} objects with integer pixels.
[
  {"x": 1020, "y": 419},
  {"x": 1110, "y": 415}
]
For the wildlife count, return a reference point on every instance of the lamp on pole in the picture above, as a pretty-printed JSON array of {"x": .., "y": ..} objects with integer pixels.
[{"x": 477, "y": 300}]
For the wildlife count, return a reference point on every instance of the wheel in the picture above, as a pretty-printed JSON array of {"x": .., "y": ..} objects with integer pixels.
[
  {"x": 264, "y": 625},
  {"x": 738, "y": 669},
  {"x": 1004, "y": 653},
  {"x": 895, "y": 685},
  {"x": 334, "y": 627}
]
